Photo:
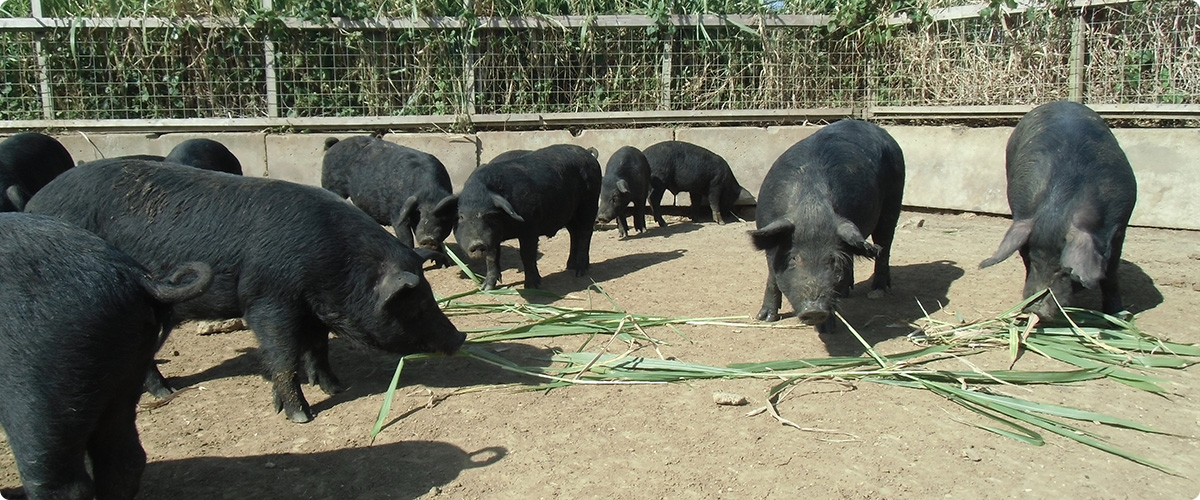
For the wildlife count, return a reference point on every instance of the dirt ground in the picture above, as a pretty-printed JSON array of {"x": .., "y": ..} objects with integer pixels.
[{"x": 219, "y": 439}]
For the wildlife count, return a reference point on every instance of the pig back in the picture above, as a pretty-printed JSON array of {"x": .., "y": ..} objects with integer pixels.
[
  {"x": 853, "y": 168},
  {"x": 550, "y": 188},
  {"x": 1062, "y": 157},
  {"x": 261, "y": 237}
]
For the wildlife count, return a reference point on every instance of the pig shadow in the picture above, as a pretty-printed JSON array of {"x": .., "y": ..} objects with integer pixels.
[
  {"x": 403, "y": 470},
  {"x": 367, "y": 372},
  {"x": 1137, "y": 290},
  {"x": 245, "y": 363},
  {"x": 565, "y": 282},
  {"x": 652, "y": 230},
  {"x": 672, "y": 229},
  {"x": 916, "y": 289}
]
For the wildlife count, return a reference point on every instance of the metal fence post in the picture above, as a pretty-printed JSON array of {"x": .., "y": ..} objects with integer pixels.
[
  {"x": 1078, "y": 53},
  {"x": 665, "y": 99},
  {"x": 269, "y": 69},
  {"x": 43, "y": 70}
]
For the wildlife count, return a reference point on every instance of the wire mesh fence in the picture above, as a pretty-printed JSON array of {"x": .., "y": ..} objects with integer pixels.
[{"x": 1122, "y": 53}]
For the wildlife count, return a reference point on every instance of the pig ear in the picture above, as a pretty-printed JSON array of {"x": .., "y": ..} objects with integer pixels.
[
  {"x": 506, "y": 207},
  {"x": 850, "y": 234},
  {"x": 1016, "y": 237},
  {"x": 16, "y": 196},
  {"x": 449, "y": 203},
  {"x": 392, "y": 284},
  {"x": 623, "y": 186},
  {"x": 406, "y": 210},
  {"x": 772, "y": 235},
  {"x": 1083, "y": 258}
]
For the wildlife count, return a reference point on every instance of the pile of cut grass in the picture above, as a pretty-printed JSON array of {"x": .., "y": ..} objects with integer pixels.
[{"x": 1099, "y": 345}]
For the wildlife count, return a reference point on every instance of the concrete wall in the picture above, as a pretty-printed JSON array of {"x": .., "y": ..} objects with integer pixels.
[{"x": 955, "y": 168}]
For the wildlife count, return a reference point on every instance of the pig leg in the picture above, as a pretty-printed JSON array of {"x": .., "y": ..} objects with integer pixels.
[
  {"x": 772, "y": 298},
  {"x": 529, "y": 246},
  {"x": 656, "y": 194},
  {"x": 581, "y": 241},
  {"x": 639, "y": 215},
  {"x": 622, "y": 227},
  {"x": 155, "y": 383},
  {"x": 492, "y": 258},
  {"x": 276, "y": 328},
  {"x": 714, "y": 203},
  {"x": 1109, "y": 287},
  {"x": 316, "y": 362},
  {"x": 118, "y": 459},
  {"x": 53, "y": 447},
  {"x": 883, "y": 236}
]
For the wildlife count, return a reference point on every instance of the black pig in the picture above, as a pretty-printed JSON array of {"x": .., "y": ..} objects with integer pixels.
[
  {"x": 206, "y": 154},
  {"x": 396, "y": 185},
  {"x": 29, "y": 161},
  {"x": 678, "y": 166},
  {"x": 295, "y": 261},
  {"x": 509, "y": 155},
  {"x": 626, "y": 180},
  {"x": 79, "y": 324},
  {"x": 526, "y": 197},
  {"x": 817, "y": 203},
  {"x": 1071, "y": 191}
]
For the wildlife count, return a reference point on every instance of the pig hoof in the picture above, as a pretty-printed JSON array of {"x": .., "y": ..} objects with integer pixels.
[
  {"x": 875, "y": 294},
  {"x": 302, "y": 416},
  {"x": 489, "y": 285},
  {"x": 768, "y": 315}
]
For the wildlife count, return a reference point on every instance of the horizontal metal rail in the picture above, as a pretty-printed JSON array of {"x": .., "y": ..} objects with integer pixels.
[
  {"x": 628, "y": 119},
  {"x": 524, "y": 22}
]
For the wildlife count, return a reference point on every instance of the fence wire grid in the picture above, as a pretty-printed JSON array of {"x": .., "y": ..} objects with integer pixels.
[{"x": 1134, "y": 53}]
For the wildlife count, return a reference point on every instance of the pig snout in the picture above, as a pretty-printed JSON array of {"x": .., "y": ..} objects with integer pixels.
[
  {"x": 449, "y": 343},
  {"x": 476, "y": 249},
  {"x": 1045, "y": 309},
  {"x": 813, "y": 316},
  {"x": 813, "y": 311},
  {"x": 605, "y": 214},
  {"x": 429, "y": 243},
  {"x": 445, "y": 339}
]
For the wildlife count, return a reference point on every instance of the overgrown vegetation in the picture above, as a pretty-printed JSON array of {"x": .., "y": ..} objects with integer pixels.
[{"x": 871, "y": 52}]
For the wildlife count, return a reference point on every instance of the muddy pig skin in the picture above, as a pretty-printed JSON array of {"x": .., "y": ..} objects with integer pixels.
[
  {"x": 678, "y": 166},
  {"x": 817, "y": 204},
  {"x": 29, "y": 161},
  {"x": 79, "y": 324},
  {"x": 295, "y": 261},
  {"x": 396, "y": 185},
  {"x": 626, "y": 180},
  {"x": 1071, "y": 191},
  {"x": 526, "y": 197},
  {"x": 206, "y": 154}
]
